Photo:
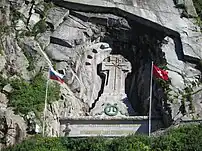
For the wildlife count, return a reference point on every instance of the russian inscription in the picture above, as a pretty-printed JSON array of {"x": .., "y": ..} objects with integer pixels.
[{"x": 79, "y": 130}]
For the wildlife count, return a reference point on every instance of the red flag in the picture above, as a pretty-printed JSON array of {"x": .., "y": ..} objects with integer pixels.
[{"x": 159, "y": 73}]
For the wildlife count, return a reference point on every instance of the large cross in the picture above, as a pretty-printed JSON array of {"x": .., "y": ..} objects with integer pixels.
[{"x": 115, "y": 68}]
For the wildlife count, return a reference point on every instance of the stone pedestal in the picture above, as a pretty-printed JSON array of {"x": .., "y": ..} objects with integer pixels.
[
  {"x": 112, "y": 105},
  {"x": 91, "y": 126}
]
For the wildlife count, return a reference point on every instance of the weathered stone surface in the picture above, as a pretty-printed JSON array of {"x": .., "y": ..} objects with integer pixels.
[
  {"x": 192, "y": 50},
  {"x": 190, "y": 8},
  {"x": 68, "y": 106},
  {"x": 143, "y": 9},
  {"x": 108, "y": 20},
  {"x": 71, "y": 37},
  {"x": 16, "y": 60},
  {"x": 34, "y": 19},
  {"x": 44, "y": 39},
  {"x": 7, "y": 88},
  {"x": 34, "y": 49},
  {"x": 61, "y": 66},
  {"x": 60, "y": 53},
  {"x": 24, "y": 9},
  {"x": 155, "y": 13},
  {"x": 173, "y": 62},
  {"x": 13, "y": 128},
  {"x": 91, "y": 82},
  {"x": 177, "y": 80},
  {"x": 3, "y": 62},
  {"x": 52, "y": 118},
  {"x": 182, "y": 74},
  {"x": 3, "y": 102},
  {"x": 20, "y": 25},
  {"x": 56, "y": 15}
]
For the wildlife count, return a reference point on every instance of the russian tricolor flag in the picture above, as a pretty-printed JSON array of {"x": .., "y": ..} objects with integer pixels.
[{"x": 54, "y": 75}]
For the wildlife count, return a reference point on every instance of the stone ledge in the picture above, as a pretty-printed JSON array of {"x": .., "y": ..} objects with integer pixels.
[
  {"x": 107, "y": 118},
  {"x": 140, "y": 15}
]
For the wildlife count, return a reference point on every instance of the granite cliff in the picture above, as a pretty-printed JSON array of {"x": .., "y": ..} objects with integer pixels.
[{"x": 75, "y": 36}]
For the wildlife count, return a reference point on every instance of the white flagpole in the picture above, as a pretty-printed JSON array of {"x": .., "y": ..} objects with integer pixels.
[
  {"x": 150, "y": 98},
  {"x": 45, "y": 105}
]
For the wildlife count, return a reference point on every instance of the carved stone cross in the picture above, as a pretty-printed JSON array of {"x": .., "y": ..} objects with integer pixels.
[
  {"x": 112, "y": 100},
  {"x": 115, "y": 67}
]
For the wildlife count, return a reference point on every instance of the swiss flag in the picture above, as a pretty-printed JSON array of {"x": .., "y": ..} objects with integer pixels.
[{"x": 159, "y": 73}]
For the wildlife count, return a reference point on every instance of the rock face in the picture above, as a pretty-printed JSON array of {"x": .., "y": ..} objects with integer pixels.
[
  {"x": 181, "y": 51},
  {"x": 12, "y": 126},
  {"x": 77, "y": 37}
]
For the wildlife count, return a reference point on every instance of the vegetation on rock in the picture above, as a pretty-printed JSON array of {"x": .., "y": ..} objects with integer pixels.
[
  {"x": 28, "y": 97},
  {"x": 3, "y": 82},
  {"x": 184, "y": 138},
  {"x": 39, "y": 27},
  {"x": 198, "y": 6}
]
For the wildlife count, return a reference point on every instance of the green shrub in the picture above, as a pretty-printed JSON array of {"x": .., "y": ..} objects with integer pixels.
[
  {"x": 39, "y": 144},
  {"x": 131, "y": 143},
  {"x": 28, "y": 97},
  {"x": 90, "y": 144},
  {"x": 184, "y": 138},
  {"x": 3, "y": 82}
]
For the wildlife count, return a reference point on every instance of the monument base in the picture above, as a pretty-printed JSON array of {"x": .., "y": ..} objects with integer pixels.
[{"x": 91, "y": 126}]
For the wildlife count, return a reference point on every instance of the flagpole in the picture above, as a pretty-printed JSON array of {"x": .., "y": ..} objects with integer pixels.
[
  {"x": 45, "y": 105},
  {"x": 150, "y": 98}
]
